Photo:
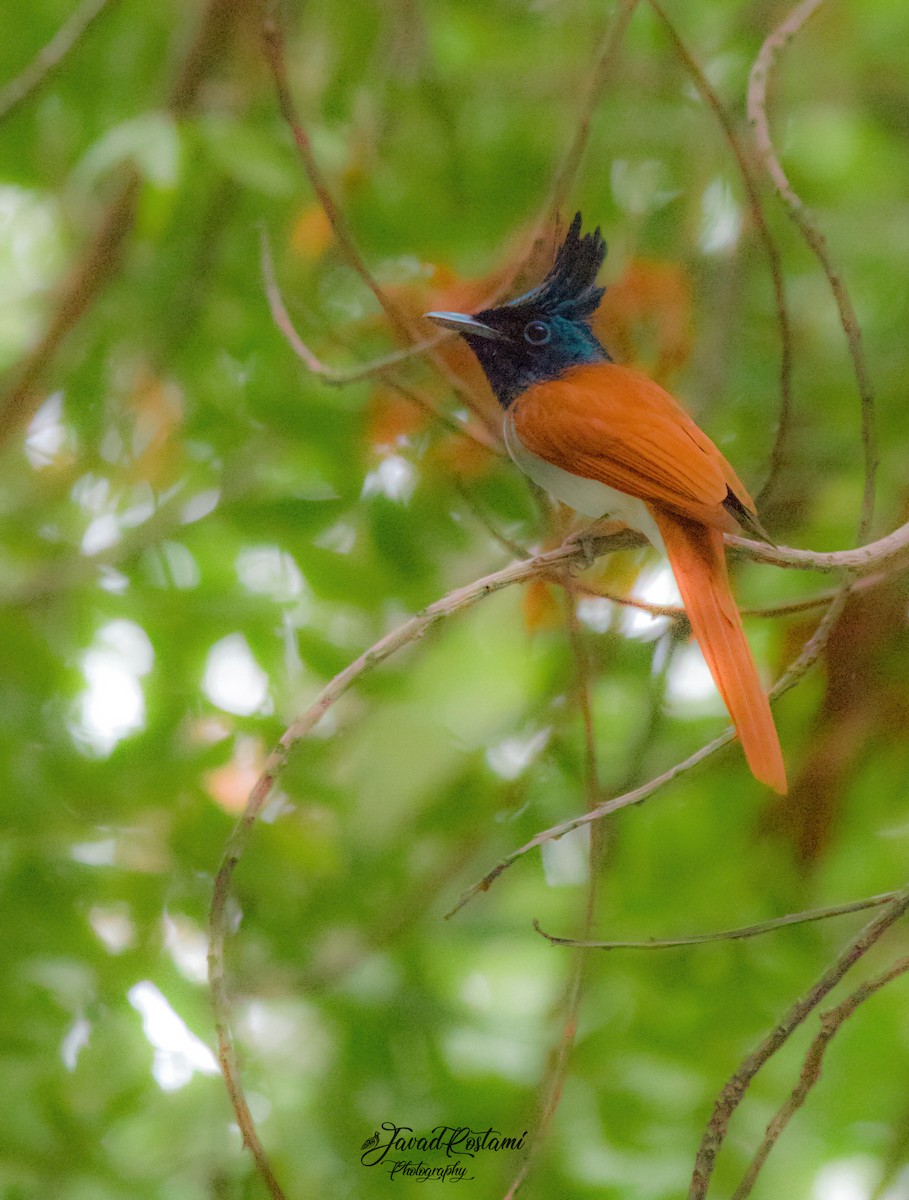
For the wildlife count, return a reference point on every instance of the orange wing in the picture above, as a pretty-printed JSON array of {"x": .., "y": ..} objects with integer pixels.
[{"x": 613, "y": 424}]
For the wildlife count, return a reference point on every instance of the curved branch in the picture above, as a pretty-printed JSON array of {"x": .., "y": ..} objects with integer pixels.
[
  {"x": 602, "y": 72},
  {"x": 757, "y": 113},
  {"x": 571, "y": 553},
  {"x": 752, "y": 192},
  {"x": 831, "y": 1023},
  {"x": 380, "y": 368},
  {"x": 732, "y": 1094},
  {"x": 809, "y": 654},
  {"x": 724, "y": 935},
  {"x": 273, "y": 42},
  {"x": 217, "y": 983},
  {"x": 554, "y": 1081},
  {"x": 784, "y": 608},
  {"x": 50, "y": 57},
  {"x": 101, "y": 260}
]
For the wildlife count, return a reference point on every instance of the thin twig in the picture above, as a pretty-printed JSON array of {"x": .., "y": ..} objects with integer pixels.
[
  {"x": 602, "y": 74},
  {"x": 98, "y": 265},
  {"x": 784, "y": 608},
  {"x": 732, "y": 1094},
  {"x": 724, "y": 935},
  {"x": 273, "y": 42},
  {"x": 495, "y": 533},
  {"x": 380, "y": 368},
  {"x": 555, "y": 1080},
  {"x": 831, "y": 1022},
  {"x": 810, "y": 652},
  {"x": 571, "y": 552},
  {"x": 217, "y": 983},
  {"x": 410, "y": 632},
  {"x": 752, "y": 192},
  {"x": 101, "y": 260},
  {"x": 757, "y": 114},
  {"x": 50, "y": 57},
  {"x": 863, "y": 560}
]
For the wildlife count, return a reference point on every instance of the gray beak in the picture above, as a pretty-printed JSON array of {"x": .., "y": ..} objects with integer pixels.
[{"x": 463, "y": 324}]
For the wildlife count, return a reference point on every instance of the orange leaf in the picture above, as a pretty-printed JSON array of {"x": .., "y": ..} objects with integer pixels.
[
  {"x": 311, "y": 234},
  {"x": 541, "y": 606}
]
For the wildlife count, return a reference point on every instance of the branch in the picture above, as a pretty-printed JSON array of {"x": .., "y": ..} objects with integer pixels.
[
  {"x": 752, "y": 192},
  {"x": 570, "y": 553},
  {"x": 379, "y": 367},
  {"x": 99, "y": 264},
  {"x": 411, "y": 631},
  {"x": 555, "y": 1080},
  {"x": 101, "y": 260},
  {"x": 50, "y": 57},
  {"x": 810, "y": 653},
  {"x": 862, "y": 561},
  {"x": 217, "y": 984},
  {"x": 273, "y": 43},
  {"x": 725, "y": 935},
  {"x": 602, "y": 74},
  {"x": 732, "y": 1094},
  {"x": 831, "y": 1023},
  {"x": 784, "y": 608},
  {"x": 757, "y": 113}
]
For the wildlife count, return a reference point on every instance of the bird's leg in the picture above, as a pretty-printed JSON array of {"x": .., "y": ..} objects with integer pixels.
[{"x": 588, "y": 537}]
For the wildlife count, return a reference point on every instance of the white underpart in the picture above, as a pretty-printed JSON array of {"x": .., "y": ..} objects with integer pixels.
[{"x": 588, "y": 497}]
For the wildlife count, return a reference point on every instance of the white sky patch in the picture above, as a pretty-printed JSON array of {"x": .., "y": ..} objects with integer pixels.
[
  {"x": 180, "y": 564},
  {"x": 654, "y": 586},
  {"x": 47, "y": 436},
  {"x": 91, "y": 492},
  {"x": 476, "y": 992},
  {"x": 113, "y": 706},
  {"x": 200, "y": 505},
  {"x": 721, "y": 218},
  {"x": 394, "y": 477},
  {"x": 483, "y": 1052},
  {"x": 566, "y": 860},
  {"x": 112, "y": 580},
  {"x": 179, "y": 1054},
  {"x": 233, "y": 679},
  {"x": 110, "y": 512},
  {"x": 31, "y": 258},
  {"x": 102, "y": 853},
  {"x": 639, "y": 185},
  {"x": 140, "y": 505},
  {"x": 849, "y": 1179},
  {"x": 270, "y": 571},
  {"x": 596, "y": 613},
  {"x": 114, "y": 926},
  {"x": 74, "y": 1040},
  {"x": 513, "y": 755},
  {"x": 340, "y": 537},
  {"x": 187, "y": 946},
  {"x": 102, "y": 532},
  {"x": 690, "y": 690}
]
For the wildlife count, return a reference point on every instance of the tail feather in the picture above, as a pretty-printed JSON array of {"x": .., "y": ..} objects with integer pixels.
[{"x": 698, "y": 559}]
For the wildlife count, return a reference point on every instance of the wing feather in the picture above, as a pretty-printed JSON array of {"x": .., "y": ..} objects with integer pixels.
[{"x": 611, "y": 423}]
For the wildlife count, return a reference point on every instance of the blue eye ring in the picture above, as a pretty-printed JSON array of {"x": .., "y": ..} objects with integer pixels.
[{"x": 537, "y": 333}]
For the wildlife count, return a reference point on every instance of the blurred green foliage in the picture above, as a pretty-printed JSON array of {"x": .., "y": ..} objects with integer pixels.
[{"x": 197, "y": 534}]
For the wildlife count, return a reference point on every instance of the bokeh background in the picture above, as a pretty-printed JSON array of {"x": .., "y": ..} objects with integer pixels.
[{"x": 196, "y": 534}]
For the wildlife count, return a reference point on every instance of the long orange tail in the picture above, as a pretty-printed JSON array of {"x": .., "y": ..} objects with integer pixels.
[{"x": 698, "y": 560}]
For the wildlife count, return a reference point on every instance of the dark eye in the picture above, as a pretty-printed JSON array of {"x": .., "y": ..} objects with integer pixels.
[{"x": 537, "y": 333}]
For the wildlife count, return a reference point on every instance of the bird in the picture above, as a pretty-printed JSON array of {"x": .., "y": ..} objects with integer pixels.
[{"x": 605, "y": 439}]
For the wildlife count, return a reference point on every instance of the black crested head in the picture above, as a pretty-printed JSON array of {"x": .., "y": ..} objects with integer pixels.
[
  {"x": 570, "y": 289},
  {"x": 545, "y": 332}
]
